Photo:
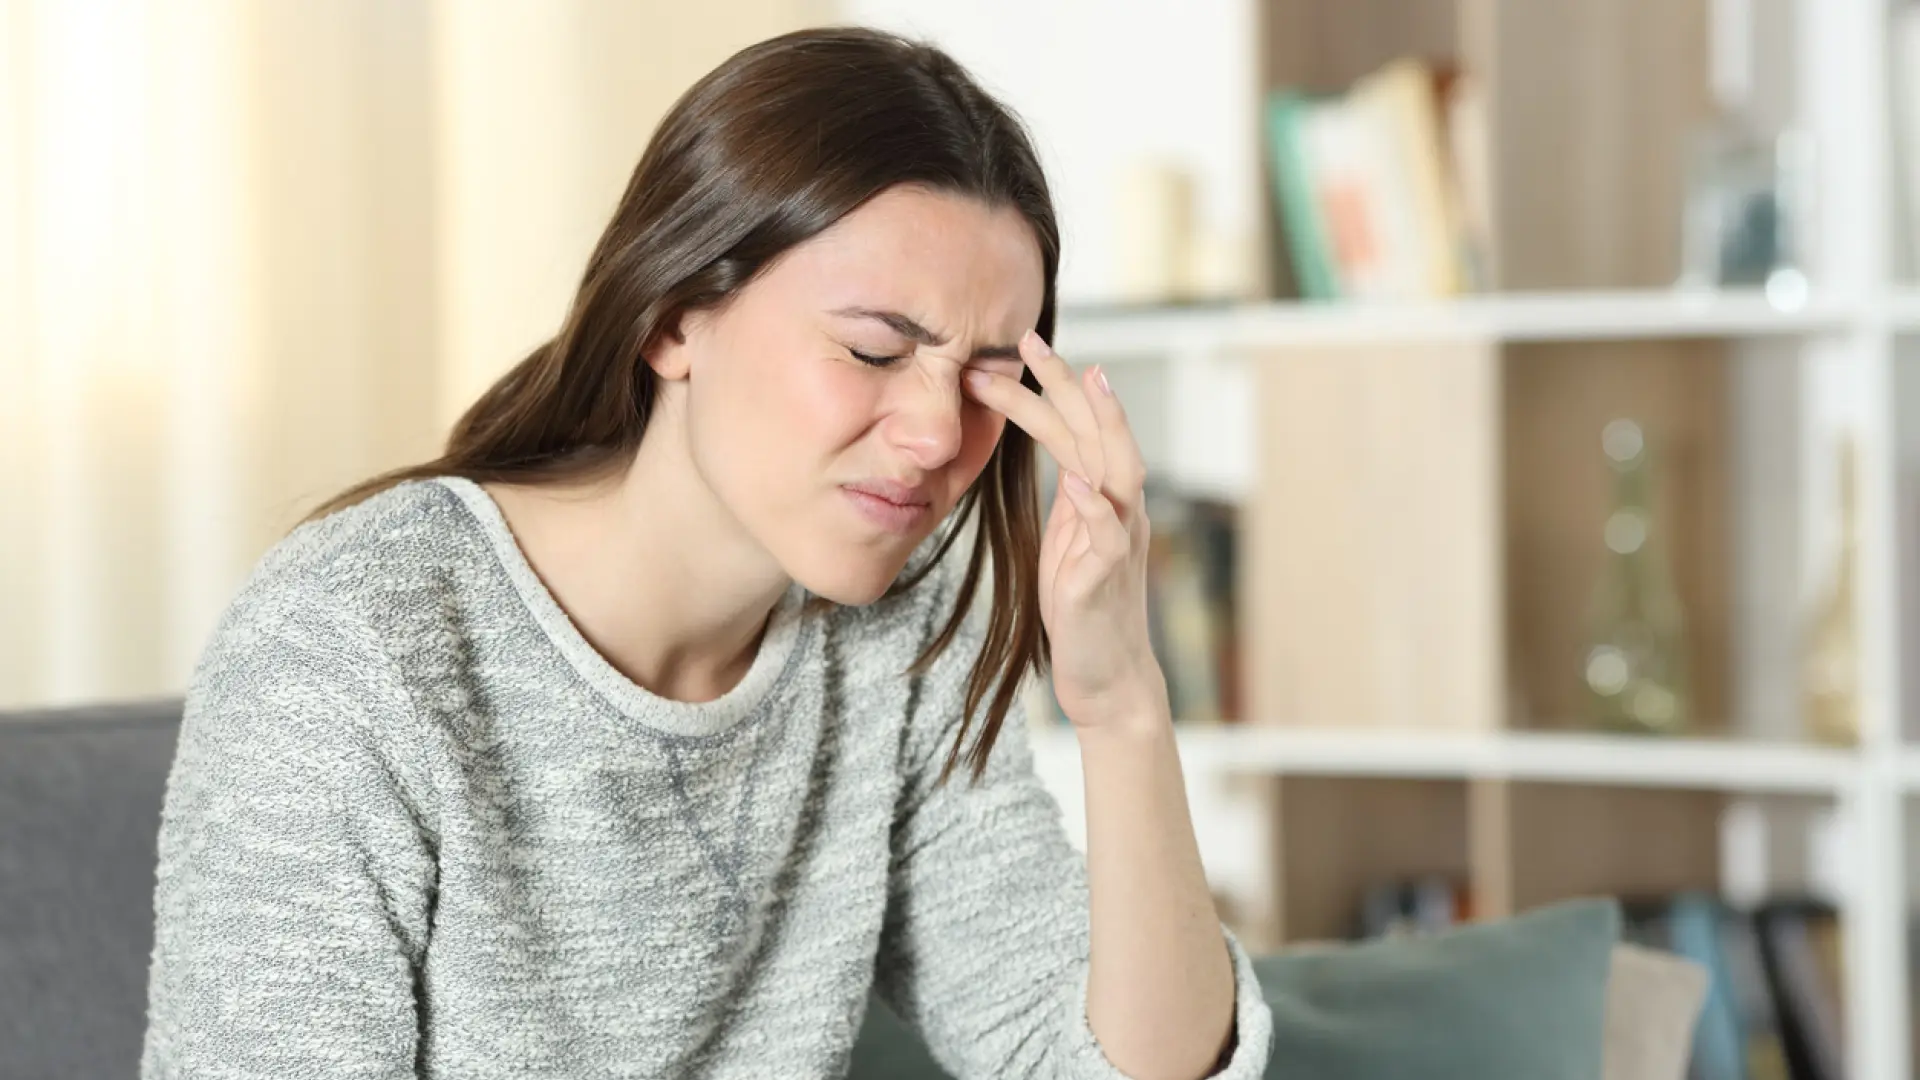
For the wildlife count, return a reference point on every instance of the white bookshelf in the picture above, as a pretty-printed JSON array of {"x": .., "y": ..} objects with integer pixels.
[
  {"x": 1146, "y": 333},
  {"x": 1841, "y": 343},
  {"x": 1901, "y": 308},
  {"x": 1729, "y": 765},
  {"x": 1825, "y": 362}
]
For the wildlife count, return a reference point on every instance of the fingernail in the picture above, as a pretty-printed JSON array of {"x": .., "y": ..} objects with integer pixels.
[
  {"x": 1078, "y": 483},
  {"x": 1100, "y": 376},
  {"x": 978, "y": 379},
  {"x": 1039, "y": 342}
]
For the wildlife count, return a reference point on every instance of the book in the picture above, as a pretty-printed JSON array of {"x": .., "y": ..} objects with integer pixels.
[
  {"x": 1180, "y": 622},
  {"x": 1400, "y": 108},
  {"x": 1763, "y": 1049},
  {"x": 1216, "y": 528},
  {"x": 1191, "y": 614},
  {"x": 1469, "y": 132},
  {"x": 1718, "y": 1038},
  {"x": 1368, "y": 190},
  {"x": 1288, "y": 115},
  {"x": 1801, "y": 946},
  {"x": 1412, "y": 907}
]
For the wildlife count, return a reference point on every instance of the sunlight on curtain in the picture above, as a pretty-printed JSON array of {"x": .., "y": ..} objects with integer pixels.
[
  {"x": 125, "y": 304},
  {"x": 251, "y": 252}
]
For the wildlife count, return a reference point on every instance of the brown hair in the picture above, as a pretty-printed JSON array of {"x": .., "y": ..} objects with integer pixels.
[{"x": 767, "y": 150}]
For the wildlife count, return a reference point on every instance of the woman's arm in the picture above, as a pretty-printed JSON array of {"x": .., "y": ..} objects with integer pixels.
[
  {"x": 986, "y": 945},
  {"x": 1161, "y": 990},
  {"x": 1160, "y": 994},
  {"x": 291, "y": 906}
]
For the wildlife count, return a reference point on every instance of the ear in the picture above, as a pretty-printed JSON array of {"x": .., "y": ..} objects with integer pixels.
[
  {"x": 668, "y": 358},
  {"x": 670, "y": 353},
  {"x": 667, "y": 354}
]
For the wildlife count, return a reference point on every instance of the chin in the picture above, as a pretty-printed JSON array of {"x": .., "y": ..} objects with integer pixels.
[{"x": 852, "y": 580}]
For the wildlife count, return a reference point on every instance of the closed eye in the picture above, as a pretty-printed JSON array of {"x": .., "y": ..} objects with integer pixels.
[{"x": 875, "y": 361}]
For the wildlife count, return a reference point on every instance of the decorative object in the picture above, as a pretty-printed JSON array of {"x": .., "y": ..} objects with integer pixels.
[
  {"x": 1830, "y": 680},
  {"x": 1154, "y": 232},
  {"x": 1635, "y": 663},
  {"x": 1746, "y": 211}
]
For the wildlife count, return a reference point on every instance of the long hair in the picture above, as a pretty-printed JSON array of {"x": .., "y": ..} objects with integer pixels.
[{"x": 769, "y": 149}]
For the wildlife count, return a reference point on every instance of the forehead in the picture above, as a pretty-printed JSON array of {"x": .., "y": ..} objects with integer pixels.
[{"x": 950, "y": 259}]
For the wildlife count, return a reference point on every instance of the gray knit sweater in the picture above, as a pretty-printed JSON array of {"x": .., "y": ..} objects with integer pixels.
[{"x": 417, "y": 826}]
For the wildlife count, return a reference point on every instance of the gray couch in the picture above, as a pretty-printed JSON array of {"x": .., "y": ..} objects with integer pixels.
[{"x": 80, "y": 798}]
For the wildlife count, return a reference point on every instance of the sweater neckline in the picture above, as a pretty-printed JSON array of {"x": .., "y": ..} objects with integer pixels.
[{"x": 777, "y": 653}]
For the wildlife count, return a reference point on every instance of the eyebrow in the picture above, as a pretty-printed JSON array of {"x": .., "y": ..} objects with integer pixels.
[{"x": 913, "y": 331}]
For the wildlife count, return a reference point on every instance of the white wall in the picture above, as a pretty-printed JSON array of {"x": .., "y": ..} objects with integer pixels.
[{"x": 1102, "y": 84}]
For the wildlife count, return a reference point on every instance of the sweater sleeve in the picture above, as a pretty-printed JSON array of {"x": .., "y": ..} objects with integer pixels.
[
  {"x": 985, "y": 947},
  {"x": 295, "y": 867}
]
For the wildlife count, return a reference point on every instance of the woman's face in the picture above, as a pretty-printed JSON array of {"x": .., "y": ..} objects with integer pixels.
[{"x": 823, "y": 403}]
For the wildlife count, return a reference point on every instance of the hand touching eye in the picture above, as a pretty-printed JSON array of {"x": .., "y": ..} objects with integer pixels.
[{"x": 1093, "y": 554}]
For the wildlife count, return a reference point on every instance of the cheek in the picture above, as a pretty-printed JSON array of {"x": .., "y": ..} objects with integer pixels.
[
  {"x": 837, "y": 405},
  {"x": 980, "y": 433},
  {"x": 802, "y": 409},
  {"x": 762, "y": 432}
]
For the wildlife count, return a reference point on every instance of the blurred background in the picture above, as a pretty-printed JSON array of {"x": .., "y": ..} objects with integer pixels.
[{"x": 1531, "y": 387}]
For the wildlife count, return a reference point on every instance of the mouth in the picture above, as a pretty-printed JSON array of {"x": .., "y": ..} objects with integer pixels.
[{"x": 892, "y": 507}]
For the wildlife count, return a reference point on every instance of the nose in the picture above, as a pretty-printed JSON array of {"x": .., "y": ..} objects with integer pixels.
[{"x": 925, "y": 422}]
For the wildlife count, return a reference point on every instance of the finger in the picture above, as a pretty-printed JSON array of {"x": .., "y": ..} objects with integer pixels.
[
  {"x": 1062, "y": 506},
  {"x": 1059, "y": 521},
  {"x": 1105, "y": 533},
  {"x": 1126, "y": 470},
  {"x": 1064, "y": 391},
  {"x": 1031, "y": 414}
]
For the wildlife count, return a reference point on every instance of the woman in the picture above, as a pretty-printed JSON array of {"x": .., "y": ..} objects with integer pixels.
[{"x": 625, "y": 739}]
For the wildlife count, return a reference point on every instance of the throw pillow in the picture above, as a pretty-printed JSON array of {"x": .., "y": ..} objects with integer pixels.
[{"x": 1522, "y": 998}]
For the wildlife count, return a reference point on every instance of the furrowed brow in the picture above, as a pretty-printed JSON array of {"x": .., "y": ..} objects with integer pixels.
[
  {"x": 907, "y": 328},
  {"x": 898, "y": 323}
]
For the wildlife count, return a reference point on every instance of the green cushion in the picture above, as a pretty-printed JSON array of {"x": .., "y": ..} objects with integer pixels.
[{"x": 1520, "y": 997}]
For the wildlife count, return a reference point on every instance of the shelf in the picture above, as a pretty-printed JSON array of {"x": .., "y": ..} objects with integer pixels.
[
  {"x": 1903, "y": 309},
  {"x": 1544, "y": 757},
  {"x": 1515, "y": 317}
]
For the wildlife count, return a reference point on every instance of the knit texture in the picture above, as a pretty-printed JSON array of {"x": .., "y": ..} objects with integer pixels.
[{"x": 417, "y": 826}]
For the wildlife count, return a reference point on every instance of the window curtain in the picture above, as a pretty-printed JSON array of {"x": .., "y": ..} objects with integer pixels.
[{"x": 251, "y": 252}]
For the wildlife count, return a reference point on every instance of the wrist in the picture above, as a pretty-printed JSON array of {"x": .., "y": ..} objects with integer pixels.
[{"x": 1137, "y": 707}]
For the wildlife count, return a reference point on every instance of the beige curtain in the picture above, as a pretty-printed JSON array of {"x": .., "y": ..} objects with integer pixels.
[{"x": 253, "y": 250}]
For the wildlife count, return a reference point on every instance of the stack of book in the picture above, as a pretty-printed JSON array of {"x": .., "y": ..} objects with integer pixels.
[
  {"x": 1382, "y": 192},
  {"x": 1414, "y": 907},
  {"x": 1774, "y": 1007},
  {"x": 1191, "y": 615}
]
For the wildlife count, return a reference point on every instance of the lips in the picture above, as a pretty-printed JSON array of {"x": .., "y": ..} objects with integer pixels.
[
  {"x": 901, "y": 495},
  {"x": 889, "y": 506}
]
